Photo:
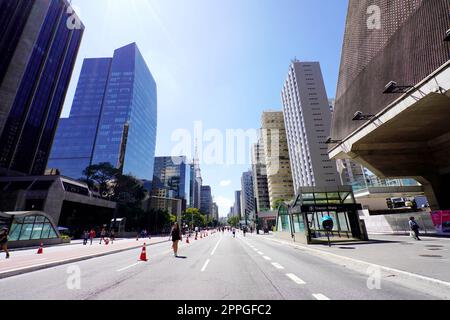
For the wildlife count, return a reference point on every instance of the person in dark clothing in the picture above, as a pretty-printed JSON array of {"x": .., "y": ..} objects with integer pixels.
[
  {"x": 414, "y": 226},
  {"x": 85, "y": 237},
  {"x": 112, "y": 236},
  {"x": 176, "y": 238},
  {"x": 4, "y": 241}
]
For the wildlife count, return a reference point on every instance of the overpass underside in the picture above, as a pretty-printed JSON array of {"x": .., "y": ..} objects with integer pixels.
[{"x": 409, "y": 138}]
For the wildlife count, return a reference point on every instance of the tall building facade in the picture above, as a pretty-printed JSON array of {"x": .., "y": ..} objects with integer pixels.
[
  {"x": 206, "y": 200},
  {"x": 171, "y": 179},
  {"x": 237, "y": 204},
  {"x": 395, "y": 74},
  {"x": 38, "y": 46},
  {"x": 308, "y": 123},
  {"x": 259, "y": 170},
  {"x": 196, "y": 184},
  {"x": 215, "y": 211},
  {"x": 248, "y": 196},
  {"x": 113, "y": 118},
  {"x": 276, "y": 151}
]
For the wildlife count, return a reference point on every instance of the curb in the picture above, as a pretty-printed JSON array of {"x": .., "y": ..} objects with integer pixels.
[
  {"x": 365, "y": 264},
  {"x": 19, "y": 271}
]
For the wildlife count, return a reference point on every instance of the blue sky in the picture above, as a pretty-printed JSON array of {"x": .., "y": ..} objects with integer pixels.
[{"x": 218, "y": 62}]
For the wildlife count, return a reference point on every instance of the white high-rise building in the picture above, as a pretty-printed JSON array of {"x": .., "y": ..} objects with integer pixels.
[{"x": 308, "y": 120}]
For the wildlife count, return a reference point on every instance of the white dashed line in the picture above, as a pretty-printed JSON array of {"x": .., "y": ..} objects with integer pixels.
[
  {"x": 206, "y": 264},
  {"x": 260, "y": 253},
  {"x": 215, "y": 248},
  {"x": 320, "y": 296},
  {"x": 123, "y": 269},
  {"x": 294, "y": 278},
  {"x": 267, "y": 258},
  {"x": 277, "y": 265}
]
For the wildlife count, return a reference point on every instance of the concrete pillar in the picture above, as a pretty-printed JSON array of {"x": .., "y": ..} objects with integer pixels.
[{"x": 437, "y": 190}]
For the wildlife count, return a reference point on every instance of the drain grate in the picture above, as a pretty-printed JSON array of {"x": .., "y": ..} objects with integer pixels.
[
  {"x": 434, "y": 249},
  {"x": 430, "y": 256},
  {"x": 347, "y": 248},
  {"x": 434, "y": 246}
]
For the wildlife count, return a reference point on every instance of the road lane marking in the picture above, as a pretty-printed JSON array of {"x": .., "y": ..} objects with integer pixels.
[
  {"x": 294, "y": 278},
  {"x": 260, "y": 253},
  {"x": 215, "y": 248},
  {"x": 206, "y": 264},
  {"x": 123, "y": 269},
  {"x": 277, "y": 265},
  {"x": 267, "y": 258},
  {"x": 320, "y": 296}
]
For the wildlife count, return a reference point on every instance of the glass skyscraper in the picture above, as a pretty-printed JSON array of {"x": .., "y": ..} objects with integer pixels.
[
  {"x": 113, "y": 118},
  {"x": 172, "y": 179},
  {"x": 38, "y": 49}
]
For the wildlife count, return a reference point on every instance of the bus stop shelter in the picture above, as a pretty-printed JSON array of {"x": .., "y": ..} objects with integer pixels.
[{"x": 301, "y": 219}]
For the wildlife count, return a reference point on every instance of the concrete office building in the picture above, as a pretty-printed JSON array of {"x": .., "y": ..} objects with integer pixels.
[
  {"x": 259, "y": 170},
  {"x": 308, "y": 120},
  {"x": 248, "y": 197},
  {"x": 393, "y": 94},
  {"x": 38, "y": 51},
  {"x": 215, "y": 211},
  {"x": 276, "y": 151},
  {"x": 113, "y": 118}
]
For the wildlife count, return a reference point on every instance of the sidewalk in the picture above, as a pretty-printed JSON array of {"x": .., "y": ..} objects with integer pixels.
[
  {"x": 24, "y": 261},
  {"x": 428, "y": 258}
]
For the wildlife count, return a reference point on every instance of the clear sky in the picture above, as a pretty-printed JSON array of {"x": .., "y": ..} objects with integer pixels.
[{"x": 221, "y": 62}]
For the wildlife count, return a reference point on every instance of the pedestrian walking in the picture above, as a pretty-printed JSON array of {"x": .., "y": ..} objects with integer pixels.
[
  {"x": 245, "y": 231},
  {"x": 112, "y": 236},
  {"x": 4, "y": 241},
  {"x": 102, "y": 235},
  {"x": 234, "y": 232},
  {"x": 414, "y": 226},
  {"x": 85, "y": 237},
  {"x": 176, "y": 238},
  {"x": 92, "y": 235}
]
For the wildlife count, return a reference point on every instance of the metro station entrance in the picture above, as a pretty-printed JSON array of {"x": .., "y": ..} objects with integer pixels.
[{"x": 302, "y": 219}]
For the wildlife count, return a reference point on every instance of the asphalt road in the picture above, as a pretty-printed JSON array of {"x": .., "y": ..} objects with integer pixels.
[{"x": 219, "y": 267}]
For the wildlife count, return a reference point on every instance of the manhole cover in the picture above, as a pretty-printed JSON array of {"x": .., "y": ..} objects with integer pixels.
[
  {"x": 434, "y": 246},
  {"x": 430, "y": 256},
  {"x": 434, "y": 249}
]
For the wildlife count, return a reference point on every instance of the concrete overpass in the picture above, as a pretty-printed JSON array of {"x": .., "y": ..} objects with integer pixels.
[{"x": 409, "y": 138}]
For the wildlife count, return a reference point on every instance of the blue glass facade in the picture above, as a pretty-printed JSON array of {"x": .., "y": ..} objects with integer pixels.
[
  {"x": 74, "y": 141},
  {"x": 32, "y": 118},
  {"x": 172, "y": 179},
  {"x": 115, "y": 107}
]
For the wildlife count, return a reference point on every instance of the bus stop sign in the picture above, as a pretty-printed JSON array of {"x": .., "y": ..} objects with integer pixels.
[{"x": 327, "y": 223}]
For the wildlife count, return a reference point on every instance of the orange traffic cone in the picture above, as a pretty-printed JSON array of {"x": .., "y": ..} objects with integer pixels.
[
  {"x": 41, "y": 249},
  {"x": 143, "y": 253}
]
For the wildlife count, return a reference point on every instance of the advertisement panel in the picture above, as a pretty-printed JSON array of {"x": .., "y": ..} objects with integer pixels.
[{"x": 441, "y": 221}]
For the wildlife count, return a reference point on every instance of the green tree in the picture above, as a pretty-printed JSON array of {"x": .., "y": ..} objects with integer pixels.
[
  {"x": 194, "y": 214},
  {"x": 277, "y": 203},
  {"x": 234, "y": 221},
  {"x": 100, "y": 176}
]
